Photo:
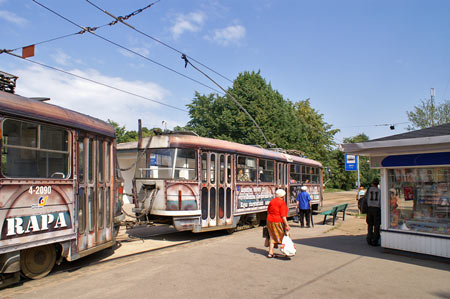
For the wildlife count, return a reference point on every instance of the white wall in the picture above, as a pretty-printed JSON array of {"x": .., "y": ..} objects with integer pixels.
[{"x": 126, "y": 160}]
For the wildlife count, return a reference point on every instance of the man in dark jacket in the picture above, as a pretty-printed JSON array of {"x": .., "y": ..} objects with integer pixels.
[
  {"x": 373, "y": 218},
  {"x": 304, "y": 207}
]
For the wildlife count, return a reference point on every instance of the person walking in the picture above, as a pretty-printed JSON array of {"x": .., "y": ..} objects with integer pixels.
[
  {"x": 373, "y": 218},
  {"x": 304, "y": 207},
  {"x": 277, "y": 223}
]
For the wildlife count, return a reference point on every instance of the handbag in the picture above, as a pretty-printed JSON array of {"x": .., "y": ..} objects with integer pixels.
[
  {"x": 265, "y": 232},
  {"x": 287, "y": 246}
]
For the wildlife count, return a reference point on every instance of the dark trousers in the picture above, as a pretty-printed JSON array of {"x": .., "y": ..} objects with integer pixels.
[
  {"x": 373, "y": 220},
  {"x": 305, "y": 214}
]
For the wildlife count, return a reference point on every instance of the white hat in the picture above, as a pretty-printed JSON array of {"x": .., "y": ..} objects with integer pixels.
[
  {"x": 304, "y": 188},
  {"x": 280, "y": 193}
]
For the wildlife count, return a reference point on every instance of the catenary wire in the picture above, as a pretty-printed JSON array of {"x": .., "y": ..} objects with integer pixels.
[
  {"x": 121, "y": 20},
  {"x": 125, "y": 48},
  {"x": 97, "y": 82},
  {"x": 87, "y": 28},
  {"x": 186, "y": 61}
]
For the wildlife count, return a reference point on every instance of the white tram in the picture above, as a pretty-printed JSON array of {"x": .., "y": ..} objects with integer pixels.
[{"x": 201, "y": 184}]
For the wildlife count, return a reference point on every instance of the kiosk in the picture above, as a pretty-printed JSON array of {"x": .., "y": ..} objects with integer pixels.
[{"x": 415, "y": 185}]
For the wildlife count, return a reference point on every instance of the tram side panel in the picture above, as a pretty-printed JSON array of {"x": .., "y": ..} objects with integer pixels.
[{"x": 33, "y": 215}]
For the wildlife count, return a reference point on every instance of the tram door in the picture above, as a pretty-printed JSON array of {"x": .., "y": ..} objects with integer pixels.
[
  {"x": 94, "y": 192},
  {"x": 282, "y": 178},
  {"x": 217, "y": 194}
]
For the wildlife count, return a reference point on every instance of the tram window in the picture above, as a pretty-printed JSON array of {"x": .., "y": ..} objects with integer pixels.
[
  {"x": 204, "y": 203},
  {"x": 91, "y": 209},
  {"x": 100, "y": 160},
  {"x": 246, "y": 169},
  {"x": 204, "y": 167},
  {"x": 228, "y": 202},
  {"x": 81, "y": 163},
  {"x": 108, "y": 162},
  {"x": 90, "y": 164},
  {"x": 185, "y": 164},
  {"x": 108, "y": 207},
  {"x": 229, "y": 169},
  {"x": 100, "y": 207},
  {"x": 212, "y": 203},
  {"x": 212, "y": 167},
  {"x": 26, "y": 152},
  {"x": 221, "y": 203},
  {"x": 265, "y": 171},
  {"x": 315, "y": 175},
  {"x": 168, "y": 163},
  {"x": 279, "y": 172},
  {"x": 306, "y": 175},
  {"x": 222, "y": 169},
  {"x": 81, "y": 211},
  {"x": 295, "y": 174}
]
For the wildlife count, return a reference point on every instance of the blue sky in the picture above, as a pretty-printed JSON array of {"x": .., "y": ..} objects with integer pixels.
[{"x": 362, "y": 63}]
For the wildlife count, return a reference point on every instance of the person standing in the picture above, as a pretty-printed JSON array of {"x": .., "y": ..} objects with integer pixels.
[
  {"x": 277, "y": 223},
  {"x": 373, "y": 218},
  {"x": 304, "y": 207}
]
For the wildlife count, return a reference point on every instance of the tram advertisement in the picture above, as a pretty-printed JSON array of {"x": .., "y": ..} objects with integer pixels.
[
  {"x": 313, "y": 190},
  {"x": 26, "y": 225},
  {"x": 253, "y": 197}
]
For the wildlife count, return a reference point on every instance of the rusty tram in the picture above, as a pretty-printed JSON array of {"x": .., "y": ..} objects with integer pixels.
[
  {"x": 59, "y": 188},
  {"x": 201, "y": 184}
]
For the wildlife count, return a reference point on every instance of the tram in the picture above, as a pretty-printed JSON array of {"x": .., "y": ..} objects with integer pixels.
[
  {"x": 201, "y": 184},
  {"x": 59, "y": 188}
]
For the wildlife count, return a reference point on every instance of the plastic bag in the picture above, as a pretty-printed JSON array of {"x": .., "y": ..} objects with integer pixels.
[
  {"x": 296, "y": 219},
  {"x": 287, "y": 246}
]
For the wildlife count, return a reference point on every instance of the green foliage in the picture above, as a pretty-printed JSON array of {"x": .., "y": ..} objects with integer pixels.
[
  {"x": 122, "y": 135},
  {"x": 428, "y": 114},
  {"x": 346, "y": 179},
  {"x": 290, "y": 126}
]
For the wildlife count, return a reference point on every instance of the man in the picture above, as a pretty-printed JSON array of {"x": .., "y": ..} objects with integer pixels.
[
  {"x": 373, "y": 218},
  {"x": 303, "y": 199}
]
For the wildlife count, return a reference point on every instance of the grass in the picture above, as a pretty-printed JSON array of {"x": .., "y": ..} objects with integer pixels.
[{"x": 328, "y": 190}]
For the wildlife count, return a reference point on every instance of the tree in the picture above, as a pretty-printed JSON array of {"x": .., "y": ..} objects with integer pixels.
[
  {"x": 428, "y": 114},
  {"x": 346, "y": 179},
  {"x": 290, "y": 126},
  {"x": 318, "y": 136},
  {"x": 122, "y": 135}
]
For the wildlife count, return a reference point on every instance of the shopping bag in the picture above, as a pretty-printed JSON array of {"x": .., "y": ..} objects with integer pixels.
[
  {"x": 287, "y": 246},
  {"x": 296, "y": 219}
]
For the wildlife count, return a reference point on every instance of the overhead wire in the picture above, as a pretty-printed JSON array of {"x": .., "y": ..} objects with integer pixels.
[
  {"x": 88, "y": 29},
  {"x": 187, "y": 62},
  {"x": 97, "y": 82},
  {"x": 121, "y": 20}
]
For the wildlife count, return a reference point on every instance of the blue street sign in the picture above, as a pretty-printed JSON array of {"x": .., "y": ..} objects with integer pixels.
[{"x": 351, "y": 162}]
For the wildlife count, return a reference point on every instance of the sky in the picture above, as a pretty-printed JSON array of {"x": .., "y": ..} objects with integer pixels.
[{"x": 363, "y": 64}]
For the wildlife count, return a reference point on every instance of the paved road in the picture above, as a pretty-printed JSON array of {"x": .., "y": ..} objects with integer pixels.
[{"x": 331, "y": 262}]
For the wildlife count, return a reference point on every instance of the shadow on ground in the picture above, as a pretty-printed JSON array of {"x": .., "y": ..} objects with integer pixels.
[{"x": 357, "y": 245}]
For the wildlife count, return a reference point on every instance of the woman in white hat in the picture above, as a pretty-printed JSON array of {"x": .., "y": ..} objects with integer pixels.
[{"x": 276, "y": 220}]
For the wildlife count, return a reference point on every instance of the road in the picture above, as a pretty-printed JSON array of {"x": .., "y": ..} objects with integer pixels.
[{"x": 332, "y": 261}]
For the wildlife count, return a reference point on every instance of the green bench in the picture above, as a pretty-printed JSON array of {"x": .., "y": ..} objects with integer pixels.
[{"x": 334, "y": 211}]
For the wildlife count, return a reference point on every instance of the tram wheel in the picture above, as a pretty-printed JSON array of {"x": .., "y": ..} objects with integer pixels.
[
  {"x": 231, "y": 230},
  {"x": 256, "y": 221},
  {"x": 37, "y": 262}
]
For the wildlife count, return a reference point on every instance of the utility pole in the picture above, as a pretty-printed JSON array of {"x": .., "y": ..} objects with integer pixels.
[{"x": 432, "y": 106}]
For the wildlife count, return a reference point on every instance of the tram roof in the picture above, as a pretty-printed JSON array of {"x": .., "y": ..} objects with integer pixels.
[
  {"x": 15, "y": 105},
  {"x": 191, "y": 141}
]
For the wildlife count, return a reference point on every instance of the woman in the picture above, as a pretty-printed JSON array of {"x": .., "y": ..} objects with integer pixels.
[{"x": 276, "y": 220}]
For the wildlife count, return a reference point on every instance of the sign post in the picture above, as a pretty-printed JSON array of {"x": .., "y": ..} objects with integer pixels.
[{"x": 352, "y": 164}]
